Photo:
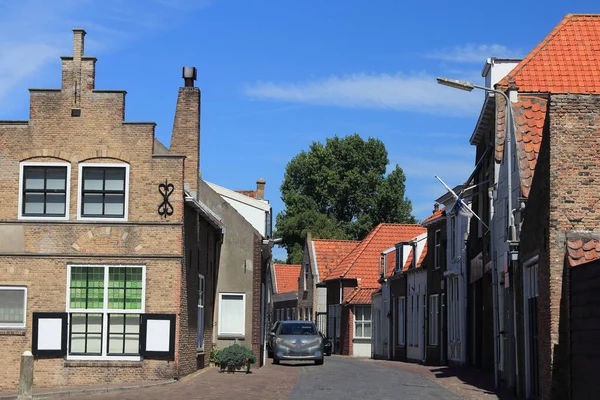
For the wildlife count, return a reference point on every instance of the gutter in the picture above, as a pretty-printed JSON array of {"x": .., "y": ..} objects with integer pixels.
[{"x": 206, "y": 212}]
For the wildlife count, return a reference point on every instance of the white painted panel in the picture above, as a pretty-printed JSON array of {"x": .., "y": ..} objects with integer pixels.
[
  {"x": 361, "y": 348},
  {"x": 157, "y": 335},
  {"x": 49, "y": 333}
]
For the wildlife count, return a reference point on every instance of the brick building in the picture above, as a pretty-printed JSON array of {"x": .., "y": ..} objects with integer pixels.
[
  {"x": 108, "y": 260},
  {"x": 352, "y": 282}
]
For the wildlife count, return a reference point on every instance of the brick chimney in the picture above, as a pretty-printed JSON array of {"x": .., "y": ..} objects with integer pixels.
[
  {"x": 260, "y": 189},
  {"x": 185, "y": 138},
  {"x": 78, "y": 71},
  {"x": 436, "y": 207}
]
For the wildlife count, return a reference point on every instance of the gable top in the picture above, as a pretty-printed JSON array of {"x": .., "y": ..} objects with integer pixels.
[
  {"x": 566, "y": 61},
  {"x": 437, "y": 215},
  {"x": 363, "y": 261},
  {"x": 329, "y": 252},
  {"x": 236, "y": 196},
  {"x": 286, "y": 277}
]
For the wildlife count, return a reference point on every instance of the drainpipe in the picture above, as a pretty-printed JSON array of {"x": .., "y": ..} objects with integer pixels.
[{"x": 494, "y": 284}]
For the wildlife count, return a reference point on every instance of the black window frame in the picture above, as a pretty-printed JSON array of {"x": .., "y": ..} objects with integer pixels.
[
  {"x": 103, "y": 192},
  {"x": 45, "y": 191}
]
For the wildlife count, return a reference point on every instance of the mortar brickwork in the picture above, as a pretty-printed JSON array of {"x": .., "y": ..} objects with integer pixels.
[{"x": 36, "y": 253}]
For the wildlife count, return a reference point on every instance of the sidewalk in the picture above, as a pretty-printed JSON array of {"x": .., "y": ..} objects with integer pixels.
[
  {"x": 267, "y": 383},
  {"x": 43, "y": 393},
  {"x": 469, "y": 383}
]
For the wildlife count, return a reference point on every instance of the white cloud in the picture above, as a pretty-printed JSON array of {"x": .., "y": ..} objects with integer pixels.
[
  {"x": 416, "y": 92},
  {"x": 474, "y": 53}
]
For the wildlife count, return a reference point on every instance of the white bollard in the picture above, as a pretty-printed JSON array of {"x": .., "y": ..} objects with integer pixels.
[{"x": 26, "y": 377}]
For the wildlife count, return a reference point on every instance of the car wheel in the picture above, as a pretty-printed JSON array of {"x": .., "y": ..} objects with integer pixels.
[
  {"x": 319, "y": 362},
  {"x": 275, "y": 361}
]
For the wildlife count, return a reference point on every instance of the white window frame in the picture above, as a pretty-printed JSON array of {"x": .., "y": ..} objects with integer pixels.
[
  {"x": 24, "y": 290},
  {"x": 433, "y": 319},
  {"x": 437, "y": 236},
  {"x": 67, "y": 187},
  {"x": 401, "y": 320},
  {"x": 201, "y": 302},
  {"x": 104, "y": 311},
  {"x": 362, "y": 321},
  {"x": 241, "y": 334},
  {"x": 80, "y": 189}
]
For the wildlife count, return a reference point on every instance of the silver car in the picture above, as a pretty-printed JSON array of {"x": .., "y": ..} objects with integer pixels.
[{"x": 297, "y": 340}]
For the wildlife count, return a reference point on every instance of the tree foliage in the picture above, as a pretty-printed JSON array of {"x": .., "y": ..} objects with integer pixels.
[{"x": 339, "y": 190}]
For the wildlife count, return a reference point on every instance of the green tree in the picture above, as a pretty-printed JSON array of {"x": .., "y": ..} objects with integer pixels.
[{"x": 339, "y": 190}]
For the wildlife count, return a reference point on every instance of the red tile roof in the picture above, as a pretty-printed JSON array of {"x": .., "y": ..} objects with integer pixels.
[
  {"x": 529, "y": 114},
  {"x": 361, "y": 295},
  {"x": 286, "y": 277},
  {"x": 566, "y": 61},
  {"x": 580, "y": 252},
  {"x": 330, "y": 252},
  {"x": 363, "y": 261},
  {"x": 249, "y": 193},
  {"x": 437, "y": 214},
  {"x": 390, "y": 263}
]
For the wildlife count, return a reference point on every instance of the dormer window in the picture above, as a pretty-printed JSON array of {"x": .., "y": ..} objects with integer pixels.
[{"x": 44, "y": 190}]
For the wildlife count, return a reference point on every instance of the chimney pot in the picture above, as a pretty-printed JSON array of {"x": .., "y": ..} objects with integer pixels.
[
  {"x": 189, "y": 76},
  {"x": 436, "y": 207}
]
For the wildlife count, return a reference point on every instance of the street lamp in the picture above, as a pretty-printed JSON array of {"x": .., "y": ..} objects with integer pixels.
[{"x": 469, "y": 86}]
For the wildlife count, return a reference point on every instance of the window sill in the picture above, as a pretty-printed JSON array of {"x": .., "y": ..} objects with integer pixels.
[
  {"x": 12, "y": 332},
  {"x": 103, "y": 363},
  {"x": 226, "y": 336}
]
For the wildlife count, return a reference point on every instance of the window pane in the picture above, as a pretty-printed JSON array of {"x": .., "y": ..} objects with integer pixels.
[
  {"x": 115, "y": 179},
  {"x": 115, "y": 343},
  {"x": 34, "y": 178},
  {"x": 93, "y": 178},
  {"x": 77, "y": 343},
  {"x": 114, "y": 204},
  {"x": 116, "y": 323},
  {"x": 134, "y": 277},
  {"x": 34, "y": 203},
  {"x": 132, "y": 344},
  {"x": 232, "y": 314},
  {"x": 56, "y": 178},
  {"x": 132, "y": 323},
  {"x": 55, "y": 203},
  {"x": 94, "y": 343},
  {"x": 367, "y": 313},
  {"x": 92, "y": 204},
  {"x": 359, "y": 330},
  {"x": 94, "y": 323},
  {"x": 358, "y": 313},
  {"x": 367, "y": 328},
  {"x": 12, "y": 307}
]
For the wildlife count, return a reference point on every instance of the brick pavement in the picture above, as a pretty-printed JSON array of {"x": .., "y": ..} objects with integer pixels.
[
  {"x": 469, "y": 383},
  {"x": 267, "y": 383}
]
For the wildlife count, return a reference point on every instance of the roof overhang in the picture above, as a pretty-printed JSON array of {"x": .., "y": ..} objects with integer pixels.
[
  {"x": 233, "y": 195},
  {"x": 287, "y": 296},
  {"x": 205, "y": 211},
  {"x": 485, "y": 120}
]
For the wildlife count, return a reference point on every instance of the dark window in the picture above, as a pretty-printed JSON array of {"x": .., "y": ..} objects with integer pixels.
[
  {"x": 44, "y": 191},
  {"x": 103, "y": 192}
]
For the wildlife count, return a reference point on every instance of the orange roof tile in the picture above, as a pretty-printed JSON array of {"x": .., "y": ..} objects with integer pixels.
[
  {"x": 330, "y": 252},
  {"x": 286, "y": 277},
  {"x": 390, "y": 265},
  {"x": 361, "y": 295},
  {"x": 566, "y": 61},
  {"x": 249, "y": 193},
  {"x": 580, "y": 252},
  {"x": 363, "y": 261},
  {"x": 437, "y": 214},
  {"x": 529, "y": 114}
]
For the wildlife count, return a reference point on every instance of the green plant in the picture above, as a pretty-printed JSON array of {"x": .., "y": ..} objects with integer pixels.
[
  {"x": 215, "y": 352},
  {"x": 235, "y": 356}
]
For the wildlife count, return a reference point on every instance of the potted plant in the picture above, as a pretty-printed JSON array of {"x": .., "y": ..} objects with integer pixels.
[
  {"x": 214, "y": 356},
  {"x": 236, "y": 358}
]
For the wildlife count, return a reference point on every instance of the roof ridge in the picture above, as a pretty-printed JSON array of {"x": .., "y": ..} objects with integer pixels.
[
  {"x": 504, "y": 82},
  {"x": 370, "y": 237}
]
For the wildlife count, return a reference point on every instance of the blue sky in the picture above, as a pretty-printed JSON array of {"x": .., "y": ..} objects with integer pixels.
[{"x": 277, "y": 75}]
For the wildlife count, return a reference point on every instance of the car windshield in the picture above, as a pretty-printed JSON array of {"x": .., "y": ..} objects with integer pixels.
[{"x": 298, "y": 329}]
